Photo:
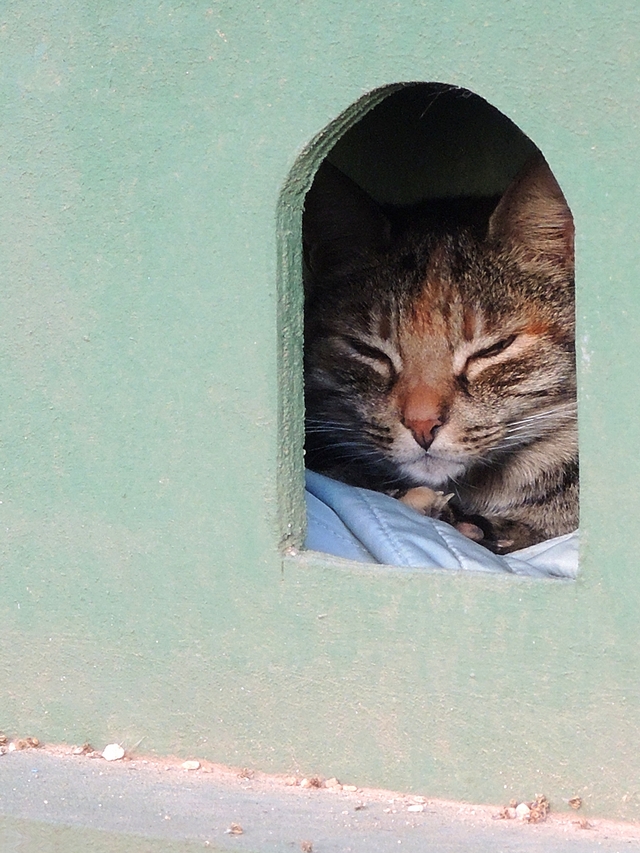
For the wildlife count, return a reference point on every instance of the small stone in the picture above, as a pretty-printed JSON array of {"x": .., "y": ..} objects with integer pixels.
[
  {"x": 540, "y": 808},
  {"x": 234, "y": 829},
  {"x": 82, "y": 750},
  {"x": 350, "y": 788},
  {"x": 523, "y": 811},
  {"x": 575, "y": 802},
  {"x": 306, "y": 846},
  {"x": 312, "y": 782},
  {"x": 290, "y": 781},
  {"x": 12, "y": 747},
  {"x": 510, "y": 813},
  {"x": 191, "y": 765},
  {"x": 333, "y": 783},
  {"x": 415, "y": 808},
  {"x": 113, "y": 752},
  {"x": 3, "y": 738}
]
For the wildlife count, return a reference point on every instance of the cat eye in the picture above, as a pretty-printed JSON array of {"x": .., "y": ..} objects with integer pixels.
[
  {"x": 495, "y": 349},
  {"x": 382, "y": 362}
]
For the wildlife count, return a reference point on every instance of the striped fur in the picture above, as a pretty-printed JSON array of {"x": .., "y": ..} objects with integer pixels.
[{"x": 439, "y": 350}]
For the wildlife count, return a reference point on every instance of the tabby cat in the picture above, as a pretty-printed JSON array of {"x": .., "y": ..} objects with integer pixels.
[{"x": 439, "y": 352}]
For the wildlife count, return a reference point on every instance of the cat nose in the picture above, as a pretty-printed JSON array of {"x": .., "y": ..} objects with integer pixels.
[
  {"x": 424, "y": 431},
  {"x": 421, "y": 414}
]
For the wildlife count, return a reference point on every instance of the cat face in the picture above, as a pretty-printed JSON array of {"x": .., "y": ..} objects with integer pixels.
[{"x": 439, "y": 342}]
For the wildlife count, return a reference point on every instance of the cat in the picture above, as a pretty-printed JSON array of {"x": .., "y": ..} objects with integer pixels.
[{"x": 440, "y": 353}]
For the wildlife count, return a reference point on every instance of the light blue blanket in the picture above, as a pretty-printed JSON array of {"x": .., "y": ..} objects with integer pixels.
[{"x": 373, "y": 528}]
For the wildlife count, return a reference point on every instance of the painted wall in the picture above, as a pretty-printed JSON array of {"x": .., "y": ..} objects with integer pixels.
[{"x": 154, "y": 161}]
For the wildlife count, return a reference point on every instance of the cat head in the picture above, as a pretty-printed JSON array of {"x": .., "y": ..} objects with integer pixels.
[{"x": 439, "y": 339}]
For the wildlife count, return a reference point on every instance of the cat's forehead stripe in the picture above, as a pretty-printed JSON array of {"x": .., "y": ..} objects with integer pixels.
[
  {"x": 471, "y": 323},
  {"x": 431, "y": 312},
  {"x": 384, "y": 325}
]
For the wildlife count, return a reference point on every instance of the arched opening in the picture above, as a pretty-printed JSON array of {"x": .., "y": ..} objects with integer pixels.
[{"x": 439, "y": 365}]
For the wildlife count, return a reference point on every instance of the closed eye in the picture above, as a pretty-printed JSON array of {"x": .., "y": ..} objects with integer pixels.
[
  {"x": 373, "y": 357},
  {"x": 495, "y": 349}
]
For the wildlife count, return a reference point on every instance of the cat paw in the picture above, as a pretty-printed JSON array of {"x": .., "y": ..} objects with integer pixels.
[
  {"x": 434, "y": 504},
  {"x": 470, "y": 531},
  {"x": 427, "y": 502}
]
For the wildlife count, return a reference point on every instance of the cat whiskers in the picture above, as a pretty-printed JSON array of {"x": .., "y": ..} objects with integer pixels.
[
  {"x": 362, "y": 448},
  {"x": 376, "y": 433},
  {"x": 344, "y": 439},
  {"x": 522, "y": 432},
  {"x": 331, "y": 431},
  {"x": 566, "y": 411}
]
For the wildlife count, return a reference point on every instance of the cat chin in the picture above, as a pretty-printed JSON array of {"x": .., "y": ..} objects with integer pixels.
[{"x": 432, "y": 471}]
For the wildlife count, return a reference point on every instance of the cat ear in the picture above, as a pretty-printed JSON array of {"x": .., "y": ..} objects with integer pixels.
[
  {"x": 533, "y": 217},
  {"x": 341, "y": 225}
]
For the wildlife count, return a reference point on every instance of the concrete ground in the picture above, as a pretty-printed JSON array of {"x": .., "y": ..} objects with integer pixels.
[{"x": 54, "y": 802}]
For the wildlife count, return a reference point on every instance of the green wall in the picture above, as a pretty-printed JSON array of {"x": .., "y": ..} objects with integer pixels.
[{"x": 154, "y": 160}]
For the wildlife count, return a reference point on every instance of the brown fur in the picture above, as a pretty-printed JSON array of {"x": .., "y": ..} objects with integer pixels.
[{"x": 439, "y": 351}]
